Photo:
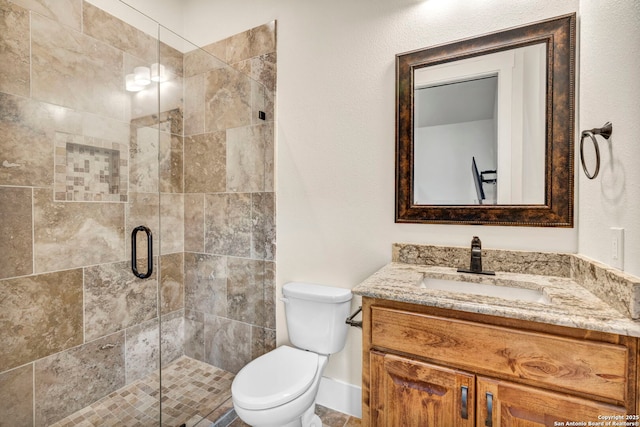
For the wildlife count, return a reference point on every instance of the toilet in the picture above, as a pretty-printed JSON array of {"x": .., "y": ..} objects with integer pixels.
[{"x": 279, "y": 389}]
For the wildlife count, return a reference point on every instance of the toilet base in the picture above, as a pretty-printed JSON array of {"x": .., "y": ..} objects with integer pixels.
[
  {"x": 310, "y": 419},
  {"x": 315, "y": 422},
  {"x": 307, "y": 419}
]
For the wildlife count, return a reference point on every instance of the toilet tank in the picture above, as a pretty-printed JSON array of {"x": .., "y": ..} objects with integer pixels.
[{"x": 316, "y": 316}]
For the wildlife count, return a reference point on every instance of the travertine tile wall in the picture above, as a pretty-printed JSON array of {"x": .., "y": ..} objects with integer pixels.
[
  {"x": 229, "y": 234},
  {"x": 75, "y": 324}
]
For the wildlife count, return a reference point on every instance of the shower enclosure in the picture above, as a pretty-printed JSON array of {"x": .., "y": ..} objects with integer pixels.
[{"x": 137, "y": 215}]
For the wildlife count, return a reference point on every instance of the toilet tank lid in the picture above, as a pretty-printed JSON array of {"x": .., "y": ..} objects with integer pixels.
[{"x": 310, "y": 291}]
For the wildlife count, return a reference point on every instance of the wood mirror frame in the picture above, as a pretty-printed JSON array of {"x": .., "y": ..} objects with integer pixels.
[{"x": 557, "y": 211}]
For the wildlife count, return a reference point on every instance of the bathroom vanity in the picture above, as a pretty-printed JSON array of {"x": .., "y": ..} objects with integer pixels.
[
  {"x": 551, "y": 339},
  {"x": 434, "y": 356}
]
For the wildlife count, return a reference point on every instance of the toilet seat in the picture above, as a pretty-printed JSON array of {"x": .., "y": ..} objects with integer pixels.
[{"x": 275, "y": 378}]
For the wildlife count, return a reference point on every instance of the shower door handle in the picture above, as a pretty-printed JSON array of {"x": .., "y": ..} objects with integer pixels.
[{"x": 134, "y": 257}]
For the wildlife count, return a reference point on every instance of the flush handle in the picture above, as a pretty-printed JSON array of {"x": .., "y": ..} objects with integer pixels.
[{"x": 354, "y": 323}]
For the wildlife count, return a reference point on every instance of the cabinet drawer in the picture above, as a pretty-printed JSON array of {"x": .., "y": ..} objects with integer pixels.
[{"x": 595, "y": 368}]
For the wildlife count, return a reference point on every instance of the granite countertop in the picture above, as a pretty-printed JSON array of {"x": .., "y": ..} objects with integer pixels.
[{"x": 567, "y": 302}]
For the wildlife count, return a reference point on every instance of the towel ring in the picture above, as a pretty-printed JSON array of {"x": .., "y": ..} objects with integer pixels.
[{"x": 605, "y": 131}]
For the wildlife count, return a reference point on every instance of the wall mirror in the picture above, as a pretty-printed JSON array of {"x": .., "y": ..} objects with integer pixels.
[{"x": 485, "y": 128}]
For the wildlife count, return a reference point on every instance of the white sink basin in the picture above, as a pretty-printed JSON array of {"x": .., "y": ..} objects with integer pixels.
[{"x": 483, "y": 289}]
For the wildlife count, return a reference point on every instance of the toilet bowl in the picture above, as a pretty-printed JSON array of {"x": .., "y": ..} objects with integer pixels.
[{"x": 279, "y": 389}]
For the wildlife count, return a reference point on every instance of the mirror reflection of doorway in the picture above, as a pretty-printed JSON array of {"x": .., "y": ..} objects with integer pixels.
[
  {"x": 489, "y": 107},
  {"x": 455, "y": 121}
]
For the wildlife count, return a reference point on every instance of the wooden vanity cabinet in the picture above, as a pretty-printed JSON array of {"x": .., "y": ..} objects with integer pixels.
[
  {"x": 412, "y": 393},
  {"x": 425, "y": 366},
  {"x": 514, "y": 405}
]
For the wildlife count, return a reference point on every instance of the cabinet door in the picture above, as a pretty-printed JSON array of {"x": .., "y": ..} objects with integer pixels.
[
  {"x": 406, "y": 392},
  {"x": 506, "y": 404}
]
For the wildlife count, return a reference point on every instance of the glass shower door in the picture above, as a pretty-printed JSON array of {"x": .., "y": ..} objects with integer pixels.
[
  {"x": 218, "y": 210},
  {"x": 124, "y": 149},
  {"x": 79, "y": 152}
]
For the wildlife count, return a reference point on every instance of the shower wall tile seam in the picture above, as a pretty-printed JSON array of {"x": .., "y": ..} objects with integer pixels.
[
  {"x": 33, "y": 232},
  {"x": 82, "y": 29},
  {"x": 22, "y": 186},
  {"x": 82, "y": 267},
  {"x": 25, "y": 276},
  {"x": 30, "y": 56},
  {"x": 84, "y": 307},
  {"x": 227, "y": 255},
  {"x": 75, "y": 347},
  {"x": 68, "y": 108},
  {"x": 33, "y": 392},
  {"x": 15, "y": 368},
  {"x": 239, "y": 321}
]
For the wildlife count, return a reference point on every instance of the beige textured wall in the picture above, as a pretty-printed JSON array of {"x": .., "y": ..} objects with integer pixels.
[
  {"x": 609, "y": 91},
  {"x": 336, "y": 126}
]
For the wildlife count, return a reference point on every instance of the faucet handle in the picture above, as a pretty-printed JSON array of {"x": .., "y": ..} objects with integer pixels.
[{"x": 476, "y": 259}]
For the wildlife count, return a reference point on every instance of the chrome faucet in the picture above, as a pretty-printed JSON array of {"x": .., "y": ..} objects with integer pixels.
[{"x": 476, "y": 259}]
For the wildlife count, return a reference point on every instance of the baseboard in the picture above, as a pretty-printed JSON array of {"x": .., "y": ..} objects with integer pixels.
[{"x": 340, "y": 396}]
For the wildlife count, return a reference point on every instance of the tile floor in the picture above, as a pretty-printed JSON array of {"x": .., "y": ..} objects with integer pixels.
[
  {"x": 194, "y": 394},
  {"x": 329, "y": 417}
]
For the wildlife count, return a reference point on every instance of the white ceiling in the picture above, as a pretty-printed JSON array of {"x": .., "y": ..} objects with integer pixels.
[{"x": 456, "y": 102}]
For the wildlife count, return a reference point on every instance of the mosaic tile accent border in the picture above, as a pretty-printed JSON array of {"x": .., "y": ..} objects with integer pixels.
[{"x": 90, "y": 169}]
